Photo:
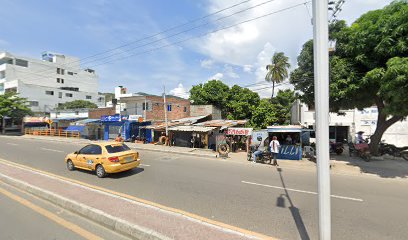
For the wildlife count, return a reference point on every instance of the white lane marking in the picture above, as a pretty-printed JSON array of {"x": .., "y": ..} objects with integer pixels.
[
  {"x": 13, "y": 144},
  {"x": 52, "y": 150},
  {"x": 144, "y": 165},
  {"x": 302, "y": 191}
]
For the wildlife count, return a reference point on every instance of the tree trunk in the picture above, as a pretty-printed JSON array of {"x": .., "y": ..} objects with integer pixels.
[
  {"x": 3, "y": 125},
  {"x": 382, "y": 125},
  {"x": 273, "y": 88}
]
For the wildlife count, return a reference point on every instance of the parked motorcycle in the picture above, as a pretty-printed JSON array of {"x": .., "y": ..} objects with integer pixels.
[
  {"x": 264, "y": 157},
  {"x": 393, "y": 150},
  {"x": 336, "y": 147}
]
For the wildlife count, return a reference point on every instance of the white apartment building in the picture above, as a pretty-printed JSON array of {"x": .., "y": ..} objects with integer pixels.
[
  {"x": 47, "y": 82},
  {"x": 346, "y": 124}
]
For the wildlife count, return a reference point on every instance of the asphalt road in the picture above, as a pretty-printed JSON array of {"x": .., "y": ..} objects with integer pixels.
[
  {"x": 281, "y": 204},
  {"x": 24, "y": 216}
]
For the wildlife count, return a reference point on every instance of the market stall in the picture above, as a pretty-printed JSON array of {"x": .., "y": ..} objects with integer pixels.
[
  {"x": 290, "y": 139},
  {"x": 239, "y": 138}
]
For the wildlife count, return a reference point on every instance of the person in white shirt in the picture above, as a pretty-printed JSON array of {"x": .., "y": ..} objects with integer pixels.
[{"x": 274, "y": 145}]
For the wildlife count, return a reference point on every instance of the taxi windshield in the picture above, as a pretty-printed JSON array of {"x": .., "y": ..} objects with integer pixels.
[{"x": 117, "y": 148}]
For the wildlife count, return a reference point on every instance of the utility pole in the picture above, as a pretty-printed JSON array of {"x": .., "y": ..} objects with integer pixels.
[
  {"x": 321, "y": 83},
  {"x": 165, "y": 110}
]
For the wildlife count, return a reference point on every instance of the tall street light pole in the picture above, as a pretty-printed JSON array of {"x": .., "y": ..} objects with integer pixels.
[{"x": 321, "y": 87}]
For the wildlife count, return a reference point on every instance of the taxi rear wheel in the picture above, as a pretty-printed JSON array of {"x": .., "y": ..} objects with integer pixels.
[
  {"x": 100, "y": 171},
  {"x": 70, "y": 165}
]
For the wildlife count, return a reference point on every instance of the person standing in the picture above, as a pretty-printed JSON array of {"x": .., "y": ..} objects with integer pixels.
[{"x": 274, "y": 144}]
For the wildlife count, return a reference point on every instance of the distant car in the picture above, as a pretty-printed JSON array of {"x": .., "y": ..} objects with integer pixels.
[{"x": 103, "y": 158}]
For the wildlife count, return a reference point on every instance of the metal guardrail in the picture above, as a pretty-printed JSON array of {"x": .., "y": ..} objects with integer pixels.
[{"x": 53, "y": 132}]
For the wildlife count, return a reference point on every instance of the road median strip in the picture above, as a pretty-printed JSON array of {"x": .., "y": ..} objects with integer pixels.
[{"x": 110, "y": 221}]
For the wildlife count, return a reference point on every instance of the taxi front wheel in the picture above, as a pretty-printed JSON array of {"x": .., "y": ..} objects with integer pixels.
[
  {"x": 70, "y": 165},
  {"x": 100, "y": 171}
]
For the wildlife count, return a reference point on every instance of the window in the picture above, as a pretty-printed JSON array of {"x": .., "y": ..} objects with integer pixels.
[
  {"x": 88, "y": 97},
  {"x": 145, "y": 106},
  {"x": 21, "y": 62},
  {"x": 101, "y": 99},
  {"x": 58, "y": 80},
  {"x": 33, "y": 103},
  {"x": 62, "y": 80},
  {"x": 185, "y": 109},
  {"x": 49, "y": 92},
  {"x": 117, "y": 148},
  {"x": 70, "y": 73},
  {"x": 91, "y": 149},
  {"x": 10, "y": 90},
  {"x": 60, "y": 71},
  {"x": 60, "y": 94},
  {"x": 68, "y": 95},
  {"x": 2, "y": 74},
  {"x": 169, "y": 107},
  {"x": 76, "y": 113}
]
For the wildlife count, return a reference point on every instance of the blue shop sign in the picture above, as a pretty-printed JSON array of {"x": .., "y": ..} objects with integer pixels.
[
  {"x": 110, "y": 118},
  {"x": 291, "y": 152}
]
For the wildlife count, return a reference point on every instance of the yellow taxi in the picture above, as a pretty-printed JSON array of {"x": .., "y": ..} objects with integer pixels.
[{"x": 103, "y": 158}]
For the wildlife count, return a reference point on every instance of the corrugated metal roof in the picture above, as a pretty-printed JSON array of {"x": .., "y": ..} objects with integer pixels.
[
  {"x": 222, "y": 123},
  {"x": 190, "y": 119},
  {"x": 85, "y": 121},
  {"x": 192, "y": 129}
]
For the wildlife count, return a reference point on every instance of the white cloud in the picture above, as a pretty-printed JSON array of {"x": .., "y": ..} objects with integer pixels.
[
  {"x": 207, "y": 63},
  {"x": 217, "y": 76},
  {"x": 247, "y": 68},
  {"x": 180, "y": 91},
  {"x": 229, "y": 71}
]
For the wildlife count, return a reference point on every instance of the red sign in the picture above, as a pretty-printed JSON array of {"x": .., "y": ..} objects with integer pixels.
[{"x": 239, "y": 131}]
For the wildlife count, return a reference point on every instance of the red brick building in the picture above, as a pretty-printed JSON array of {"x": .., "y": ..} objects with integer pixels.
[{"x": 151, "y": 107}]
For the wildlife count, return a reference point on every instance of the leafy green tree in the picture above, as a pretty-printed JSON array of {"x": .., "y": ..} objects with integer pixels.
[
  {"x": 369, "y": 66},
  {"x": 241, "y": 102},
  {"x": 283, "y": 104},
  {"x": 77, "y": 104},
  {"x": 214, "y": 92},
  {"x": 11, "y": 105},
  {"x": 277, "y": 70},
  {"x": 265, "y": 114}
]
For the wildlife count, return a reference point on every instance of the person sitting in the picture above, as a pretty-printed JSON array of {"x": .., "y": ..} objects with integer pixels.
[
  {"x": 119, "y": 138},
  {"x": 258, "y": 152},
  {"x": 289, "y": 140}
]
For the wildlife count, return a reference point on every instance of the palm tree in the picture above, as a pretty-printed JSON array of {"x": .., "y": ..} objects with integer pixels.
[{"x": 277, "y": 70}]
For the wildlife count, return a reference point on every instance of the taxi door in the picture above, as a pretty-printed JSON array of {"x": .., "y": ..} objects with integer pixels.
[{"x": 88, "y": 156}]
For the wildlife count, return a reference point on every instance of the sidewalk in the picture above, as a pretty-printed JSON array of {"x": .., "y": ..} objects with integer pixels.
[{"x": 125, "y": 214}]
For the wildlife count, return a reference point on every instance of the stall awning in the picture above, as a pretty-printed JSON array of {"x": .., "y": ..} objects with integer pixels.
[
  {"x": 75, "y": 128},
  {"x": 192, "y": 129},
  {"x": 285, "y": 129},
  {"x": 66, "y": 119},
  {"x": 86, "y": 121}
]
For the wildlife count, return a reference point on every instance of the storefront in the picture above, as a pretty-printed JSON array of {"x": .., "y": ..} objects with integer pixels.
[
  {"x": 37, "y": 123},
  {"x": 239, "y": 138},
  {"x": 190, "y": 136},
  {"x": 129, "y": 129},
  {"x": 290, "y": 139}
]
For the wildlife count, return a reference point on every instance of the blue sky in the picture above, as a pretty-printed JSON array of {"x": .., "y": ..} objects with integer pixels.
[{"x": 237, "y": 55}]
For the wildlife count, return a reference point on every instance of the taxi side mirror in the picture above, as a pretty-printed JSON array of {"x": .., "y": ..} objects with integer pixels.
[{"x": 76, "y": 152}]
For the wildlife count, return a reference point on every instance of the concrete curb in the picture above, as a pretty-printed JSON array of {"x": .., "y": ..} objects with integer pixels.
[
  {"x": 95, "y": 215},
  {"x": 166, "y": 151},
  {"x": 138, "y": 148}
]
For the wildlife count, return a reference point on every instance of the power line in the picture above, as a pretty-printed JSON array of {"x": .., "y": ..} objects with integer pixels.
[
  {"x": 179, "y": 33},
  {"x": 159, "y": 33},
  {"x": 214, "y": 31}
]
